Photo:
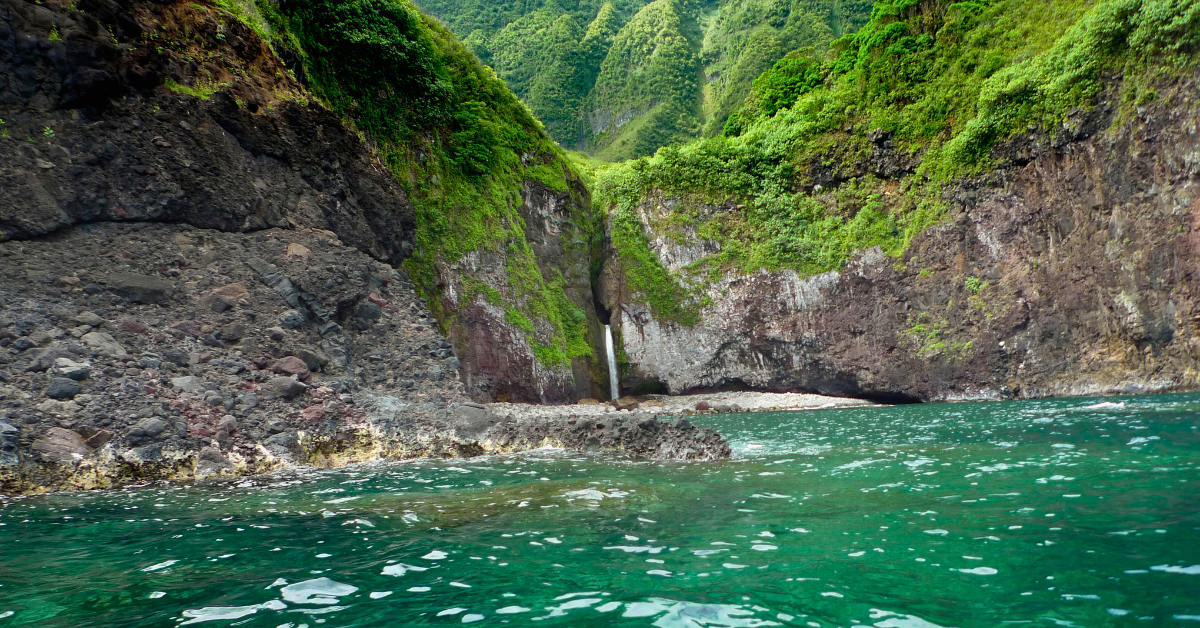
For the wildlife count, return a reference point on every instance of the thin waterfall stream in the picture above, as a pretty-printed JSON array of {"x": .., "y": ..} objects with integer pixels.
[{"x": 612, "y": 363}]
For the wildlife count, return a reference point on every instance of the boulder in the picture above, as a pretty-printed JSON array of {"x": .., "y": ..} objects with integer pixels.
[
  {"x": 44, "y": 359},
  {"x": 62, "y": 445},
  {"x": 176, "y": 356},
  {"x": 99, "y": 439},
  {"x": 626, "y": 403},
  {"x": 140, "y": 288},
  {"x": 368, "y": 312},
  {"x": 283, "y": 443},
  {"x": 285, "y": 387},
  {"x": 104, "y": 344},
  {"x": 146, "y": 454},
  {"x": 314, "y": 359},
  {"x": 291, "y": 365},
  {"x": 702, "y": 406},
  {"x": 90, "y": 319},
  {"x": 189, "y": 384},
  {"x": 228, "y": 424},
  {"x": 62, "y": 388},
  {"x": 133, "y": 326},
  {"x": 211, "y": 462},
  {"x": 147, "y": 428},
  {"x": 291, "y": 319},
  {"x": 66, "y": 367},
  {"x": 471, "y": 420},
  {"x": 233, "y": 332}
]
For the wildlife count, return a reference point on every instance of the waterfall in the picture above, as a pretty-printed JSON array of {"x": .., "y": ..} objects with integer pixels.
[{"x": 612, "y": 363}]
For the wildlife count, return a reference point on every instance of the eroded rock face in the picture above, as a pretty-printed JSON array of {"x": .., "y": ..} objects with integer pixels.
[{"x": 1074, "y": 269}]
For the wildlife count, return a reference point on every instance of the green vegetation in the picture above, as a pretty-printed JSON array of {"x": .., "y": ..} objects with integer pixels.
[
  {"x": 458, "y": 140},
  {"x": 942, "y": 82},
  {"x": 647, "y": 94},
  {"x": 199, "y": 90},
  {"x": 744, "y": 38},
  {"x": 621, "y": 78}
]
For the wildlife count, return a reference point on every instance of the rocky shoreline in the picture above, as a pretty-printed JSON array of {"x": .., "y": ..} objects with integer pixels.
[{"x": 141, "y": 352}]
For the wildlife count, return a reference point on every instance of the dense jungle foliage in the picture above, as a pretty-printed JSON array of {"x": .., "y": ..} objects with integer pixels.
[
  {"x": 940, "y": 82},
  {"x": 621, "y": 78},
  {"x": 461, "y": 143}
]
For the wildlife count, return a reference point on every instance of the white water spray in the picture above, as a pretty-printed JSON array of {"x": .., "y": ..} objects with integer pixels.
[{"x": 612, "y": 362}]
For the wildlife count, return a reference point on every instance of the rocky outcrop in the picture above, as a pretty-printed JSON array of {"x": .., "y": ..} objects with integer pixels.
[{"x": 1073, "y": 268}]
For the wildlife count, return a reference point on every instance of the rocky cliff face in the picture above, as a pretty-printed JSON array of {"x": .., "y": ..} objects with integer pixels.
[
  {"x": 1073, "y": 268},
  {"x": 176, "y": 112},
  {"x": 500, "y": 358}
]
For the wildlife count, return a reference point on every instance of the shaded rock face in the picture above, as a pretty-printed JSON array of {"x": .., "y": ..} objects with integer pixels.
[
  {"x": 110, "y": 142},
  {"x": 1072, "y": 269}
]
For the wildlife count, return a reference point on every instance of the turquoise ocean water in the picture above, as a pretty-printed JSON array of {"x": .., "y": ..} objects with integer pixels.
[{"x": 1080, "y": 512}]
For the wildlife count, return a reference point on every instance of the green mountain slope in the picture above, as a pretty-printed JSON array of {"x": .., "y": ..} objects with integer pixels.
[
  {"x": 647, "y": 94},
  {"x": 620, "y": 79},
  {"x": 801, "y": 175}
]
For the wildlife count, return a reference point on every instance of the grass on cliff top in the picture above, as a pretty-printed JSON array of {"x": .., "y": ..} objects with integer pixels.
[
  {"x": 458, "y": 140},
  {"x": 945, "y": 81}
]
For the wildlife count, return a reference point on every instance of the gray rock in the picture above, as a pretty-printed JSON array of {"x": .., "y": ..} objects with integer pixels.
[
  {"x": 451, "y": 364},
  {"x": 8, "y": 445},
  {"x": 228, "y": 424},
  {"x": 367, "y": 311},
  {"x": 175, "y": 356},
  {"x": 233, "y": 332},
  {"x": 104, "y": 344},
  {"x": 291, "y": 319},
  {"x": 66, "y": 367},
  {"x": 285, "y": 387},
  {"x": 213, "y": 398},
  {"x": 62, "y": 445},
  {"x": 149, "y": 363},
  {"x": 89, "y": 318},
  {"x": 626, "y": 403},
  {"x": 147, "y": 428},
  {"x": 471, "y": 421},
  {"x": 283, "y": 443},
  {"x": 249, "y": 401},
  {"x": 189, "y": 384},
  {"x": 63, "y": 388},
  {"x": 314, "y": 359},
  {"x": 44, "y": 358},
  {"x": 211, "y": 462},
  {"x": 140, "y": 288},
  {"x": 146, "y": 454},
  {"x": 99, "y": 439},
  {"x": 683, "y": 424}
]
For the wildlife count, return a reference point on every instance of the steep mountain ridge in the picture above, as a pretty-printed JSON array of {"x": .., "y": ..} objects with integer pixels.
[{"x": 620, "y": 79}]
